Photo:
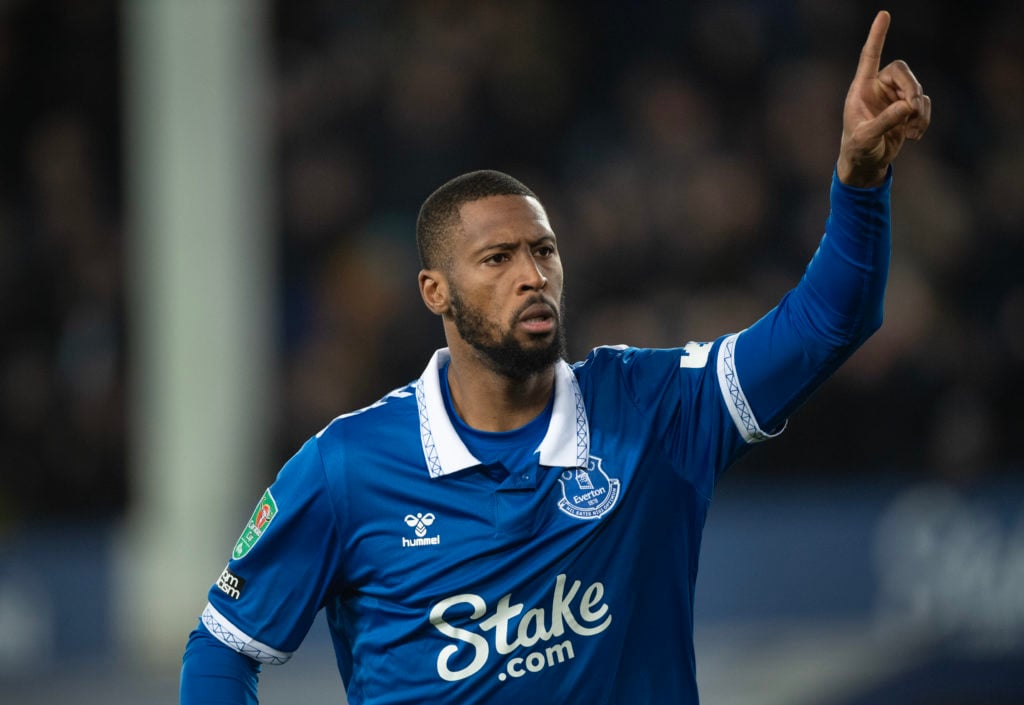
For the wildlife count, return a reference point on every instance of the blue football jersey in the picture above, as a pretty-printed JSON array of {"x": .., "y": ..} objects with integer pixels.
[{"x": 445, "y": 583}]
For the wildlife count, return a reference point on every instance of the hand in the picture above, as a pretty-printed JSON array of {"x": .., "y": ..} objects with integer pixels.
[{"x": 883, "y": 109}]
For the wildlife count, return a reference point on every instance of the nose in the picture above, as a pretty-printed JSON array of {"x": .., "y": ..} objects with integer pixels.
[{"x": 533, "y": 278}]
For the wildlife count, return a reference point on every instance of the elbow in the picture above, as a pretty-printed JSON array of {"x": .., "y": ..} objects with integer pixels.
[
  {"x": 873, "y": 321},
  {"x": 870, "y": 325}
]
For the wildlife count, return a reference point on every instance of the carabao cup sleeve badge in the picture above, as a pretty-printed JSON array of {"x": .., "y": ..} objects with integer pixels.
[
  {"x": 261, "y": 517},
  {"x": 587, "y": 494}
]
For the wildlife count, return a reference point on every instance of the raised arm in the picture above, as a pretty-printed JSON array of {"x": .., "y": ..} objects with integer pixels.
[{"x": 837, "y": 305}]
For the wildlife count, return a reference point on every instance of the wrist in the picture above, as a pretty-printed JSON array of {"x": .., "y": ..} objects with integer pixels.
[{"x": 859, "y": 176}]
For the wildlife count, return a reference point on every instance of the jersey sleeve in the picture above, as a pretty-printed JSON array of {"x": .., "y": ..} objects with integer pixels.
[
  {"x": 785, "y": 356},
  {"x": 281, "y": 567},
  {"x": 213, "y": 674}
]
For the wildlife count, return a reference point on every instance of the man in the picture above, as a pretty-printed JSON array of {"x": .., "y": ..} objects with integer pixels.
[{"x": 509, "y": 528}]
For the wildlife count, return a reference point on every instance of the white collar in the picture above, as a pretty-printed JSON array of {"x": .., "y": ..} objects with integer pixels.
[{"x": 566, "y": 443}]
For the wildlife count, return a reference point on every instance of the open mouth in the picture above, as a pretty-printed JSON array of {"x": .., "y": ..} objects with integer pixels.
[{"x": 538, "y": 318}]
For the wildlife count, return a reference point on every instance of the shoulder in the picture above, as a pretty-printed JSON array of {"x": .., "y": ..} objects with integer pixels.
[
  {"x": 377, "y": 436},
  {"x": 692, "y": 356},
  {"x": 388, "y": 415},
  {"x": 603, "y": 357},
  {"x": 647, "y": 374}
]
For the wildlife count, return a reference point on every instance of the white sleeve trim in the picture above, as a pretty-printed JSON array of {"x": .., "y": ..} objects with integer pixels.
[
  {"x": 234, "y": 638},
  {"x": 735, "y": 400}
]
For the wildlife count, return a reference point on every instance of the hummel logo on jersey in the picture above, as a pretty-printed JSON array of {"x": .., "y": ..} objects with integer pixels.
[{"x": 418, "y": 523}]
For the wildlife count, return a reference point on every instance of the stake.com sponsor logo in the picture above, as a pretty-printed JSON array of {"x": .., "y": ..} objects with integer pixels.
[{"x": 588, "y": 616}]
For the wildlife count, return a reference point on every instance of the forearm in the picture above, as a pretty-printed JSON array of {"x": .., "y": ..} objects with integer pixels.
[
  {"x": 213, "y": 674},
  {"x": 844, "y": 286},
  {"x": 836, "y": 306}
]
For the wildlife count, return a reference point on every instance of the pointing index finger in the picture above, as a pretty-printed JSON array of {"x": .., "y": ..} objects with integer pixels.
[{"x": 871, "y": 54}]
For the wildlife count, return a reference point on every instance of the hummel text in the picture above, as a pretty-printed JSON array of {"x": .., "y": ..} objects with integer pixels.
[{"x": 430, "y": 541}]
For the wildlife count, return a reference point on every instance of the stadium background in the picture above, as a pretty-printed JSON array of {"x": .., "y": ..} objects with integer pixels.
[{"x": 872, "y": 554}]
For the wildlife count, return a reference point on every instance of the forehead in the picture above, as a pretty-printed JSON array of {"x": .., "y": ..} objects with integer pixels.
[{"x": 504, "y": 217}]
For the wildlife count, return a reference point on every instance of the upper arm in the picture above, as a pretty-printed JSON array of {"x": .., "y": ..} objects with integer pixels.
[
  {"x": 283, "y": 567},
  {"x": 785, "y": 356}
]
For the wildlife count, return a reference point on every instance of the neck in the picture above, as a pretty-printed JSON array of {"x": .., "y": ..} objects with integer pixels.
[{"x": 490, "y": 401}]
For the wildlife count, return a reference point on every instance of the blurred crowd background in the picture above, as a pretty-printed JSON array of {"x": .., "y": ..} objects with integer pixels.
[
  {"x": 683, "y": 150},
  {"x": 684, "y": 153}
]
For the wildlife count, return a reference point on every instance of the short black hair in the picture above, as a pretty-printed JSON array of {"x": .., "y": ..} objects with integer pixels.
[{"x": 439, "y": 213}]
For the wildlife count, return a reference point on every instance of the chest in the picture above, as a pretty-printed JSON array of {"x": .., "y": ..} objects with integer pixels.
[{"x": 412, "y": 539}]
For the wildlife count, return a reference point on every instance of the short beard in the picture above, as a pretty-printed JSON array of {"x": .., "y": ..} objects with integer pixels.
[{"x": 503, "y": 352}]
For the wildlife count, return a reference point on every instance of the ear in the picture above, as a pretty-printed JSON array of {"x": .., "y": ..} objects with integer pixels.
[{"x": 434, "y": 290}]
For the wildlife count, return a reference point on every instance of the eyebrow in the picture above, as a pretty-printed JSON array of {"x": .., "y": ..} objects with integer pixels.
[{"x": 511, "y": 245}]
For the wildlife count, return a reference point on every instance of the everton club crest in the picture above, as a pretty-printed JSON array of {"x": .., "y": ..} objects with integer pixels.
[{"x": 587, "y": 494}]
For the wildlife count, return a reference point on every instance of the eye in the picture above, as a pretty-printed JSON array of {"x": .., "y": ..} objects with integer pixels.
[
  {"x": 498, "y": 258},
  {"x": 545, "y": 251}
]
